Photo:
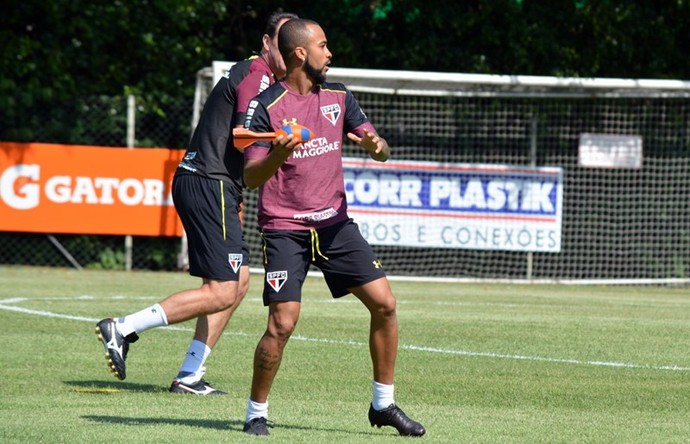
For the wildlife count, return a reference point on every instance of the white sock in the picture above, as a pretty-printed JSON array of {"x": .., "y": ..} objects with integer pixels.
[
  {"x": 383, "y": 396},
  {"x": 191, "y": 370},
  {"x": 256, "y": 410},
  {"x": 139, "y": 322}
]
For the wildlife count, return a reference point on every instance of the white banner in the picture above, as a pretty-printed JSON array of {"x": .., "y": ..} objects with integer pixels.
[{"x": 444, "y": 205}]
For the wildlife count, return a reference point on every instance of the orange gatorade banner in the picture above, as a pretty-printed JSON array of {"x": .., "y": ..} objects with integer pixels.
[{"x": 49, "y": 188}]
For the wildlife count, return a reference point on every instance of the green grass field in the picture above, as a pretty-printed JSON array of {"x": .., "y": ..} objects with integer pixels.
[{"x": 477, "y": 363}]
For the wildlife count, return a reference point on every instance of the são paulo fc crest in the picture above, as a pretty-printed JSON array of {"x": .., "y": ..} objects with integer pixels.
[
  {"x": 331, "y": 112},
  {"x": 276, "y": 279},
  {"x": 235, "y": 261}
]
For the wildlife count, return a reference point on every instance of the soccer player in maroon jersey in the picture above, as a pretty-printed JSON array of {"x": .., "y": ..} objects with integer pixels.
[
  {"x": 207, "y": 192},
  {"x": 304, "y": 221}
]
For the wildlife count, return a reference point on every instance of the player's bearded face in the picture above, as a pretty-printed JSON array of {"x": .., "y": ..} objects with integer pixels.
[{"x": 319, "y": 75}]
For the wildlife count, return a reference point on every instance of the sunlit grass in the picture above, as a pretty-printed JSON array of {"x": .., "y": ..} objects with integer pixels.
[{"x": 477, "y": 363}]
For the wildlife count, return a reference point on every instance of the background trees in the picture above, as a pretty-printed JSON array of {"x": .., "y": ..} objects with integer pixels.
[{"x": 54, "y": 54}]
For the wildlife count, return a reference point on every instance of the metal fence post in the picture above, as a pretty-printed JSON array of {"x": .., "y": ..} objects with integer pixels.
[
  {"x": 533, "y": 163},
  {"x": 131, "y": 126}
]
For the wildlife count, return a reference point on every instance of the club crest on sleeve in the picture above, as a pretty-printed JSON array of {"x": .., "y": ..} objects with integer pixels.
[
  {"x": 235, "y": 261},
  {"x": 331, "y": 113},
  {"x": 276, "y": 279}
]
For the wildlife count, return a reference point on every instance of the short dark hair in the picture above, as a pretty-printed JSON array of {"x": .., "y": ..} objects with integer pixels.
[
  {"x": 275, "y": 18},
  {"x": 293, "y": 34}
]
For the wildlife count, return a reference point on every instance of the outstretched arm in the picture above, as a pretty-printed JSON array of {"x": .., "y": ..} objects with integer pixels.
[{"x": 376, "y": 146}]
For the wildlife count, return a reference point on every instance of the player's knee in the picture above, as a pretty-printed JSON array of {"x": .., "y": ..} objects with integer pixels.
[
  {"x": 281, "y": 328},
  {"x": 386, "y": 308},
  {"x": 223, "y": 295},
  {"x": 222, "y": 302}
]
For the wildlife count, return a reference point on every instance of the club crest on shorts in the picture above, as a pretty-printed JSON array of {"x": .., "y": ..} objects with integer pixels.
[
  {"x": 235, "y": 261},
  {"x": 276, "y": 279}
]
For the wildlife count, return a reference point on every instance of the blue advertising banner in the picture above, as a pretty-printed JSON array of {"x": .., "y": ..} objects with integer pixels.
[{"x": 444, "y": 205}]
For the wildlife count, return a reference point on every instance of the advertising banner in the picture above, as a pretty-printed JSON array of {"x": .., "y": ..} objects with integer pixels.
[
  {"x": 51, "y": 188},
  {"x": 444, "y": 205}
]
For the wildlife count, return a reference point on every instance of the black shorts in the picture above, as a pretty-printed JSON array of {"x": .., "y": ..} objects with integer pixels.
[
  {"x": 339, "y": 251},
  {"x": 209, "y": 212}
]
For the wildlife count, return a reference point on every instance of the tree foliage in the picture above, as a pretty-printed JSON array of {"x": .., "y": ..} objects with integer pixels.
[{"x": 61, "y": 50}]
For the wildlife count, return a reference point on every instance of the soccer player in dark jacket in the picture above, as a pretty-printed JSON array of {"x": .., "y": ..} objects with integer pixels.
[{"x": 207, "y": 193}]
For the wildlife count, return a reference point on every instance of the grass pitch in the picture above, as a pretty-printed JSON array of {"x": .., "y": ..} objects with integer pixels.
[{"x": 477, "y": 363}]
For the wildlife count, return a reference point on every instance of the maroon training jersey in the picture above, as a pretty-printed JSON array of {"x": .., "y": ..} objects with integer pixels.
[{"x": 308, "y": 190}]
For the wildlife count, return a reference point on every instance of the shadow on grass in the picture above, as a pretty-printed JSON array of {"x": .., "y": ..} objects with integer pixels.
[
  {"x": 105, "y": 387},
  {"x": 317, "y": 429},
  {"x": 235, "y": 425},
  {"x": 95, "y": 386},
  {"x": 205, "y": 423}
]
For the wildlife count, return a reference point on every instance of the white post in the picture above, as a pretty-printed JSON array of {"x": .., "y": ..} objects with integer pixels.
[
  {"x": 131, "y": 126},
  {"x": 533, "y": 162}
]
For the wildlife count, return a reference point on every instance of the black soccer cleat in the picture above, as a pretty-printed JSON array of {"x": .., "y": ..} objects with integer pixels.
[
  {"x": 256, "y": 426},
  {"x": 116, "y": 346},
  {"x": 394, "y": 416},
  {"x": 200, "y": 387}
]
